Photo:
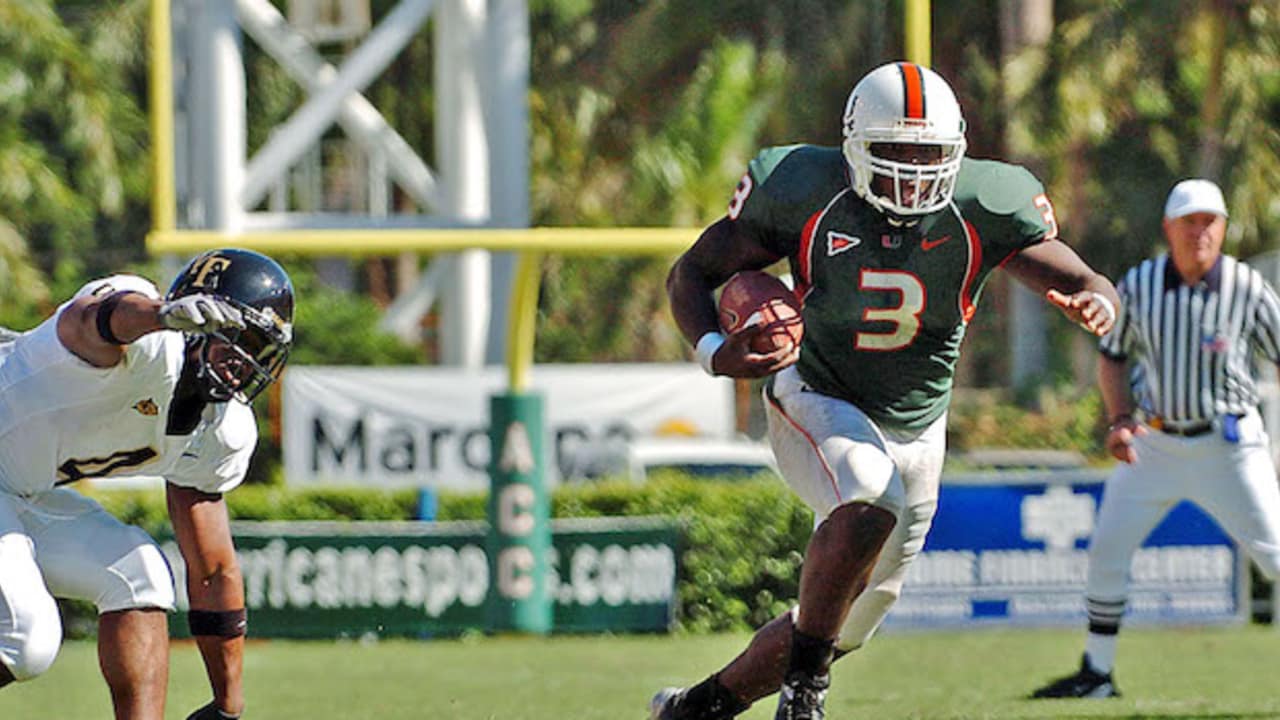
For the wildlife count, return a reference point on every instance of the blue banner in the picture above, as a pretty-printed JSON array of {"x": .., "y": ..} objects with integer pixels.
[{"x": 1013, "y": 549}]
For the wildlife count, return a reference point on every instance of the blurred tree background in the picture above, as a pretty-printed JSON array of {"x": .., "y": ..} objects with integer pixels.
[
  {"x": 73, "y": 144},
  {"x": 646, "y": 113}
]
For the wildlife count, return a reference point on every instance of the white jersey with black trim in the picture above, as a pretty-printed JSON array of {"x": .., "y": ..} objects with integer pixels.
[{"x": 63, "y": 420}]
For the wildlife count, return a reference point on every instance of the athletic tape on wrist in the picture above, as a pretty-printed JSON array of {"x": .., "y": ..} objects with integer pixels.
[
  {"x": 706, "y": 349},
  {"x": 218, "y": 623},
  {"x": 1106, "y": 305},
  {"x": 106, "y": 309}
]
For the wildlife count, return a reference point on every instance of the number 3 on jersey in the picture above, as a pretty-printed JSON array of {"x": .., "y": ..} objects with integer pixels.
[
  {"x": 1046, "y": 213},
  {"x": 905, "y": 316}
]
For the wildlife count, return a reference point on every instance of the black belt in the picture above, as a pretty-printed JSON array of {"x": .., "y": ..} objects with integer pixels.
[
  {"x": 1189, "y": 429},
  {"x": 1193, "y": 428}
]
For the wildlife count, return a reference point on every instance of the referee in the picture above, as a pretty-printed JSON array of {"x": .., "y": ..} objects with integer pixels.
[{"x": 1184, "y": 422}]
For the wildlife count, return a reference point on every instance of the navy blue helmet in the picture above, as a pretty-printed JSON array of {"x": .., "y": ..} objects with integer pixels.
[{"x": 240, "y": 364}]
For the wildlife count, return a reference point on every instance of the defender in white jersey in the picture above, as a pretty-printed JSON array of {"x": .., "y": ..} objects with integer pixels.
[
  {"x": 1192, "y": 324},
  {"x": 120, "y": 381}
]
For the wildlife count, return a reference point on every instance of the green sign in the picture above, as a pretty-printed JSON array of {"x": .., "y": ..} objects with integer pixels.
[
  {"x": 344, "y": 579},
  {"x": 518, "y": 510}
]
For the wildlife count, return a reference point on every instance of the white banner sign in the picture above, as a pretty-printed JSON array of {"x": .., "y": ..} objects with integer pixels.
[{"x": 429, "y": 426}]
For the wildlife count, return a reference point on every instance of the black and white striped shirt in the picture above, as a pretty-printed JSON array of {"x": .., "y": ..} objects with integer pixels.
[{"x": 1194, "y": 345}]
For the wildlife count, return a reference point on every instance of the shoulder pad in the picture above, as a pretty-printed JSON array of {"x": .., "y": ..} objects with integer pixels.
[
  {"x": 1000, "y": 188},
  {"x": 114, "y": 283},
  {"x": 790, "y": 172}
]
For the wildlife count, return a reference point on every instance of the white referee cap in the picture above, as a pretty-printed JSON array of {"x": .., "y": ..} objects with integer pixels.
[{"x": 1193, "y": 196}]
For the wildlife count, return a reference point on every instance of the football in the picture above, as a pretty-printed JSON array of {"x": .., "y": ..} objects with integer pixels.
[{"x": 752, "y": 297}]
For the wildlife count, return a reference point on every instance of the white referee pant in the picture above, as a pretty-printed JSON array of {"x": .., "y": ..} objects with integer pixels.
[
  {"x": 1235, "y": 483},
  {"x": 60, "y": 543},
  {"x": 832, "y": 454}
]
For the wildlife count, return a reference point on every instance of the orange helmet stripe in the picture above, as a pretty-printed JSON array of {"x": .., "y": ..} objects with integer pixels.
[{"x": 913, "y": 90}]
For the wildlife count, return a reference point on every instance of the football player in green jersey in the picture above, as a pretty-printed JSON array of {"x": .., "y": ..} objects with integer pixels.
[{"x": 890, "y": 239}]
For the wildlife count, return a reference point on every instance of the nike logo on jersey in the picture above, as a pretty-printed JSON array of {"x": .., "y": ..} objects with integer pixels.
[
  {"x": 927, "y": 244},
  {"x": 838, "y": 242},
  {"x": 147, "y": 407}
]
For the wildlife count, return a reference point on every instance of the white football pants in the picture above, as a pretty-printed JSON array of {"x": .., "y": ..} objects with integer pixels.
[
  {"x": 1234, "y": 482},
  {"x": 60, "y": 543},
  {"x": 832, "y": 454}
]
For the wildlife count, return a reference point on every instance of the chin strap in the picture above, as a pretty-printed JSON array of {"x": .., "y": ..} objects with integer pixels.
[{"x": 900, "y": 222}]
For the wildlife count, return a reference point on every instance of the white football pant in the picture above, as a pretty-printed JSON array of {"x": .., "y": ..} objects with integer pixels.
[
  {"x": 1234, "y": 482},
  {"x": 832, "y": 454},
  {"x": 60, "y": 543}
]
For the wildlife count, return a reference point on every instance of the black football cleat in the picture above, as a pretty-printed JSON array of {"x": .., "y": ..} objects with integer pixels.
[
  {"x": 802, "y": 697},
  {"x": 1085, "y": 683}
]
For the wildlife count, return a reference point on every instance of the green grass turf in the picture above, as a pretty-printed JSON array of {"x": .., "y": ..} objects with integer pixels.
[{"x": 1164, "y": 673}]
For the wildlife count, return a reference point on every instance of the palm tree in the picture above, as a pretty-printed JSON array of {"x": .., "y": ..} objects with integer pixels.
[
  {"x": 648, "y": 114},
  {"x": 72, "y": 143},
  {"x": 679, "y": 175},
  {"x": 1240, "y": 118},
  {"x": 1133, "y": 99},
  {"x": 22, "y": 287},
  {"x": 1127, "y": 98}
]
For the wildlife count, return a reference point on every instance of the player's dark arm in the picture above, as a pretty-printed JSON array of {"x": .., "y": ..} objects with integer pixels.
[
  {"x": 215, "y": 588},
  {"x": 127, "y": 316},
  {"x": 96, "y": 328},
  {"x": 723, "y": 249},
  {"x": 1054, "y": 271}
]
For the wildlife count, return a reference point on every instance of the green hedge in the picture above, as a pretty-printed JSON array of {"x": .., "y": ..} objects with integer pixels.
[{"x": 742, "y": 545}]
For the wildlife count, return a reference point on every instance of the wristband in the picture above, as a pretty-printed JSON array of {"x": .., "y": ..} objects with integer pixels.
[
  {"x": 1122, "y": 417},
  {"x": 706, "y": 349},
  {"x": 106, "y": 309},
  {"x": 1105, "y": 302}
]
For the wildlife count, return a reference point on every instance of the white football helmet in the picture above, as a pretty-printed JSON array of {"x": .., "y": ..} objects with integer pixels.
[{"x": 903, "y": 103}]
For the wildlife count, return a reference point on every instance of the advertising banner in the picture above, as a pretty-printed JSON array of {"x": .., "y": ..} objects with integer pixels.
[
  {"x": 429, "y": 426},
  {"x": 1013, "y": 548},
  {"x": 343, "y": 579}
]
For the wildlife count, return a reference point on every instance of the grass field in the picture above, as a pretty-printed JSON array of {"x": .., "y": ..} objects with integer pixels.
[{"x": 1166, "y": 674}]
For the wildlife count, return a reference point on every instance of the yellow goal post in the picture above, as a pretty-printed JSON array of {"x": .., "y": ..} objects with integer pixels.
[
  {"x": 165, "y": 237},
  {"x": 530, "y": 243}
]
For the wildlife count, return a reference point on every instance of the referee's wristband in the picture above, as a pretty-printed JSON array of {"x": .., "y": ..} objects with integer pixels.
[
  {"x": 706, "y": 349},
  {"x": 1119, "y": 420}
]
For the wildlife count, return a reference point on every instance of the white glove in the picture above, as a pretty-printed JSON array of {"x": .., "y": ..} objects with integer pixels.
[{"x": 200, "y": 314}]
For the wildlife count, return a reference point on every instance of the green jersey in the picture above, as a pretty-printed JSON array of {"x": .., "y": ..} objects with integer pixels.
[{"x": 885, "y": 305}]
